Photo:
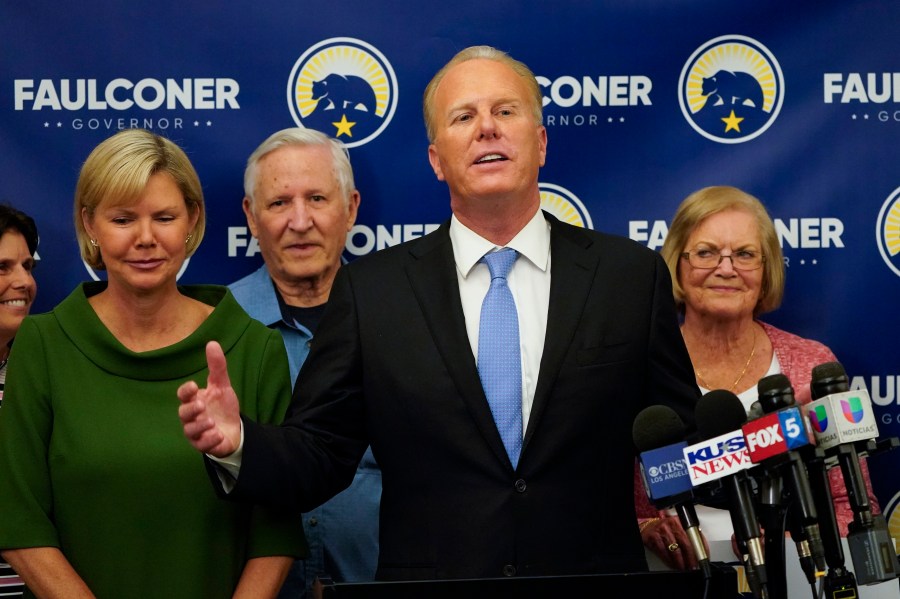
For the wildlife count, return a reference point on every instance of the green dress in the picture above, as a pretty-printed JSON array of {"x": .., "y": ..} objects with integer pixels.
[{"x": 93, "y": 459}]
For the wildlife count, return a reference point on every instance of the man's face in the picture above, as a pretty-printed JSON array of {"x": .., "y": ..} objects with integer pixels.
[
  {"x": 299, "y": 215},
  {"x": 487, "y": 145}
]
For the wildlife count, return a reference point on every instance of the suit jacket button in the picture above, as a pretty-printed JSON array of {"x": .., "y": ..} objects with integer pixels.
[
  {"x": 521, "y": 486},
  {"x": 509, "y": 570}
]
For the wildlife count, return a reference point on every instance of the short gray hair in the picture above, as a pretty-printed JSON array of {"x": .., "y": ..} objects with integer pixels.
[{"x": 298, "y": 136}]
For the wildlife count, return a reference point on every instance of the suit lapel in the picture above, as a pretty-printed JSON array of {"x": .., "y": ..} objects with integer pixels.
[
  {"x": 573, "y": 264},
  {"x": 432, "y": 275}
]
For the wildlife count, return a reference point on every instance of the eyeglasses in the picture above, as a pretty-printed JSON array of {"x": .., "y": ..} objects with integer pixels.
[{"x": 709, "y": 258}]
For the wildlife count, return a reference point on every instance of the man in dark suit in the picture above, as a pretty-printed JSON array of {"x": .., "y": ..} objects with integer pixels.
[{"x": 396, "y": 365}]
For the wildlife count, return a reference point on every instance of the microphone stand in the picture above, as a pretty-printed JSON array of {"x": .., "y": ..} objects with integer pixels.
[
  {"x": 839, "y": 581},
  {"x": 773, "y": 518},
  {"x": 746, "y": 533}
]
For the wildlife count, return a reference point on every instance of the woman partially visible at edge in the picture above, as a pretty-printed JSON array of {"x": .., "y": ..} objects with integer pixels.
[
  {"x": 18, "y": 245},
  {"x": 100, "y": 493},
  {"x": 727, "y": 268}
]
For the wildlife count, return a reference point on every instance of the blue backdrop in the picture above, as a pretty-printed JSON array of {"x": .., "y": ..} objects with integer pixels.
[{"x": 645, "y": 101}]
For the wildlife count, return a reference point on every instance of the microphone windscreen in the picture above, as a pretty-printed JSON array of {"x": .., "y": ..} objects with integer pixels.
[
  {"x": 657, "y": 426},
  {"x": 828, "y": 378},
  {"x": 719, "y": 412},
  {"x": 775, "y": 393},
  {"x": 828, "y": 370}
]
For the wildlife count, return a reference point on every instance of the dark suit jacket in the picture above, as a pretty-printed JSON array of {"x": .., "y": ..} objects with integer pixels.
[{"x": 392, "y": 366}]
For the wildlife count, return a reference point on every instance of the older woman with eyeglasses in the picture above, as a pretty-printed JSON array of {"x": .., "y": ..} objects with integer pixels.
[{"x": 727, "y": 269}]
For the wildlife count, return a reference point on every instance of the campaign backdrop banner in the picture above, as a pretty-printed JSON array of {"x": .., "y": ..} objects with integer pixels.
[{"x": 645, "y": 101}]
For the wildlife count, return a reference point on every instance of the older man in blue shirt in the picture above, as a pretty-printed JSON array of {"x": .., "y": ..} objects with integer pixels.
[{"x": 300, "y": 203}]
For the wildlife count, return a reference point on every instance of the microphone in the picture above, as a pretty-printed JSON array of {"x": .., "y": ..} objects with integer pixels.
[
  {"x": 841, "y": 420},
  {"x": 774, "y": 440},
  {"x": 657, "y": 433},
  {"x": 719, "y": 415},
  {"x": 722, "y": 460}
]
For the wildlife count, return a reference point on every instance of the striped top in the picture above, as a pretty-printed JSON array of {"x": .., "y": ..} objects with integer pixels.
[{"x": 10, "y": 584}]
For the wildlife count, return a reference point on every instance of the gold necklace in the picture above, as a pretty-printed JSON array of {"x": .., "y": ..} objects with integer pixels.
[{"x": 734, "y": 385}]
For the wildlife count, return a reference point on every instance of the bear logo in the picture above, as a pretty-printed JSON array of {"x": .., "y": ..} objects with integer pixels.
[
  {"x": 344, "y": 87},
  {"x": 345, "y": 91},
  {"x": 732, "y": 88}
]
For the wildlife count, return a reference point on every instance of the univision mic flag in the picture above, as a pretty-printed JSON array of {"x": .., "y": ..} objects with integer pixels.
[{"x": 841, "y": 418}]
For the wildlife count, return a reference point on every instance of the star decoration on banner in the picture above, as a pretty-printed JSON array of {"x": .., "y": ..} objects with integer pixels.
[
  {"x": 732, "y": 122},
  {"x": 343, "y": 127}
]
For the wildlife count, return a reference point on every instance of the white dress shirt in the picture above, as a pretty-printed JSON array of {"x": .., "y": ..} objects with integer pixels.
[{"x": 529, "y": 281}]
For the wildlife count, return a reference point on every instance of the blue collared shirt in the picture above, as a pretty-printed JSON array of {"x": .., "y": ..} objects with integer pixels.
[
  {"x": 343, "y": 532},
  {"x": 256, "y": 294}
]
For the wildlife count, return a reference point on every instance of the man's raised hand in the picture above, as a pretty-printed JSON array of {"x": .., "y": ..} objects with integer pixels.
[{"x": 211, "y": 416}]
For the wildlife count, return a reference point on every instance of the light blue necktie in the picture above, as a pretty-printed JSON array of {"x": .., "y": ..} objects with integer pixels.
[{"x": 499, "y": 361}]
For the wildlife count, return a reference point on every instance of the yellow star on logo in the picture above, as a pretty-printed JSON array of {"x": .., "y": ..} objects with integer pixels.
[
  {"x": 343, "y": 127},
  {"x": 732, "y": 122}
]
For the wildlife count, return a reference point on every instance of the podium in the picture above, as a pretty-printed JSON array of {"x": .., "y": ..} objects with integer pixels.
[{"x": 671, "y": 585}]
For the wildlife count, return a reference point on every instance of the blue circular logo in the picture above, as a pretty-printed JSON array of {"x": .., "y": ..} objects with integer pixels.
[
  {"x": 731, "y": 89},
  {"x": 564, "y": 205},
  {"x": 892, "y": 515},
  {"x": 887, "y": 231},
  {"x": 344, "y": 88}
]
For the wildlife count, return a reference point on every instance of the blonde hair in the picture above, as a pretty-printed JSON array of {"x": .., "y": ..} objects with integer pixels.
[
  {"x": 711, "y": 200},
  {"x": 117, "y": 171},
  {"x": 485, "y": 53}
]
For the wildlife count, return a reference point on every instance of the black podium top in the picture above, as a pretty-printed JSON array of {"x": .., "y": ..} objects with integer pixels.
[{"x": 671, "y": 585}]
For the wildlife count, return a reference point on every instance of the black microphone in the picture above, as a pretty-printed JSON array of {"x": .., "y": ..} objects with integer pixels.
[
  {"x": 658, "y": 434},
  {"x": 774, "y": 440},
  {"x": 719, "y": 415},
  {"x": 839, "y": 578},
  {"x": 841, "y": 419},
  {"x": 829, "y": 388}
]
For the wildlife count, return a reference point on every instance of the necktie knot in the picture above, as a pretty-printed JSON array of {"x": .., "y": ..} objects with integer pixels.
[{"x": 500, "y": 263}]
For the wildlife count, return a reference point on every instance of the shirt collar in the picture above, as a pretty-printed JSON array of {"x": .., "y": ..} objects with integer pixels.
[{"x": 532, "y": 242}]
